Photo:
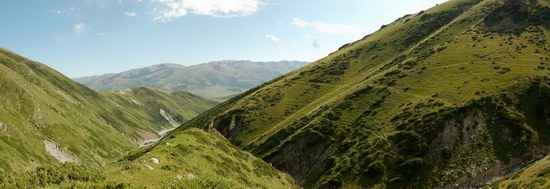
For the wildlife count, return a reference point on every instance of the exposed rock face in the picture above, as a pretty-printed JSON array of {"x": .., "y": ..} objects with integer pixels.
[
  {"x": 138, "y": 103},
  {"x": 59, "y": 153},
  {"x": 304, "y": 156},
  {"x": 169, "y": 118},
  {"x": 516, "y": 15},
  {"x": 3, "y": 127},
  {"x": 457, "y": 133},
  {"x": 459, "y": 139},
  {"x": 230, "y": 125}
]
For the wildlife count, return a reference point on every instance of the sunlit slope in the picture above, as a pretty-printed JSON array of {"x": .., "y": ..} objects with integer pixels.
[
  {"x": 458, "y": 92},
  {"x": 46, "y": 117},
  {"x": 193, "y": 159},
  {"x": 196, "y": 157}
]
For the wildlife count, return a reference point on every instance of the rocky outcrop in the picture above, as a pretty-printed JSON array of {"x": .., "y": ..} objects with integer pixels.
[
  {"x": 3, "y": 127},
  {"x": 58, "y": 152},
  {"x": 169, "y": 118},
  {"x": 230, "y": 125},
  {"x": 305, "y": 157},
  {"x": 517, "y": 15}
]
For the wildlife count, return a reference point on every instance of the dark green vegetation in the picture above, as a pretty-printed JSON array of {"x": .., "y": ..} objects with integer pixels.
[
  {"x": 193, "y": 159},
  {"x": 444, "y": 97},
  {"x": 67, "y": 175},
  {"x": 46, "y": 117},
  {"x": 215, "y": 80}
]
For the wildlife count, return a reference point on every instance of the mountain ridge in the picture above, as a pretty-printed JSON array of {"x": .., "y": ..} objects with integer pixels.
[
  {"x": 215, "y": 80},
  {"x": 403, "y": 97},
  {"x": 46, "y": 117},
  {"x": 454, "y": 96}
]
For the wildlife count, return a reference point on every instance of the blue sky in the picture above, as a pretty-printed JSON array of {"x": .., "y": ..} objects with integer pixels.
[{"x": 90, "y": 37}]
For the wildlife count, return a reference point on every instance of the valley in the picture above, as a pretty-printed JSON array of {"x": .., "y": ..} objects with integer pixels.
[
  {"x": 455, "y": 96},
  {"x": 42, "y": 109}
]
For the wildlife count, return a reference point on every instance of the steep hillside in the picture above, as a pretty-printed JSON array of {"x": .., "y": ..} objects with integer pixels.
[
  {"x": 536, "y": 175},
  {"x": 193, "y": 159},
  {"x": 46, "y": 117},
  {"x": 218, "y": 80},
  {"x": 451, "y": 96}
]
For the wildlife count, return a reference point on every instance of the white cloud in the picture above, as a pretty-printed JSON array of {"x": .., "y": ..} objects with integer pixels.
[
  {"x": 323, "y": 27},
  {"x": 130, "y": 14},
  {"x": 216, "y": 8},
  {"x": 62, "y": 11},
  {"x": 272, "y": 37},
  {"x": 300, "y": 23},
  {"x": 79, "y": 27}
]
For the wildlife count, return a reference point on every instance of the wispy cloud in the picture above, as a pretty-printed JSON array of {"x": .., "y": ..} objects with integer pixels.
[
  {"x": 216, "y": 8},
  {"x": 130, "y": 14},
  {"x": 79, "y": 27},
  {"x": 323, "y": 27},
  {"x": 272, "y": 37},
  {"x": 62, "y": 11}
]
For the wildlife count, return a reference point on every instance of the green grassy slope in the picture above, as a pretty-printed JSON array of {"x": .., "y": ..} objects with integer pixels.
[
  {"x": 193, "y": 159},
  {"x": 459, "y": 93},
  {"x": 43, "y": 110},
  {"x": 196, "y": 156},
  {"x": 217, "y": 80}
]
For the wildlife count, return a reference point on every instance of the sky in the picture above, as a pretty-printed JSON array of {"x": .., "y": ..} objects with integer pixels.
[{"x": 93, "y": 37}]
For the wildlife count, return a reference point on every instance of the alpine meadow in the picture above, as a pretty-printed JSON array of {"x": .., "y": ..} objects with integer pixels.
[{"x": 454, "y": 96}]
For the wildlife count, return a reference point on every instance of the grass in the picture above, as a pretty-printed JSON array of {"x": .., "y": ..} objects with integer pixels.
[
  {"x": 441, "y": 92},
  {"x": 39, "y": 103},
  {"x": 422, "y": 71},
  {"x": 208, "y": 157},
  {"x": 193, "y": 159}
]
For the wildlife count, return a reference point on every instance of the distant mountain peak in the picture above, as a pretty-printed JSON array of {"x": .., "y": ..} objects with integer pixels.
[{"x": 216, "y": 80}]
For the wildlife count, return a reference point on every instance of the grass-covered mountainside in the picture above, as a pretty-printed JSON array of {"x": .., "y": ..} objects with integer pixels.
[
  {"x": 193, "y": 159},
  {"x": 214, "y": 80},
  {"x": 46, "y": 117},
  {"x": 451, "y": 96}
]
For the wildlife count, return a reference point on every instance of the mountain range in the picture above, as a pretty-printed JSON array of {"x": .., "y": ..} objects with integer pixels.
[
  {"x": 217, "y": 80},
  {"x": 456, "y": 96}
]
